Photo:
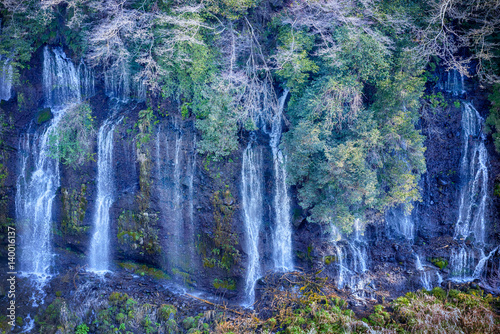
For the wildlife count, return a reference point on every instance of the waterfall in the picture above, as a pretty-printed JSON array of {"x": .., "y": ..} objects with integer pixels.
[
  {"x": 454, "y": 83},
  {"x": 99, "y": 245},
  {"x": 252, "y": 198},
  {"x": 400, "y": 223},
  {"x": 351, "y": 260},
  {"x": 474, "y": 173},
  {"x": 61, "y": 80},
  {"x": 177, "y": 199},
  {"x": 140, "y": 90},
  {"x": 425, "y": 276},
  {"x": 462, "y": 264},
  {"x": 282, "y": 238},
  {"x": 39, "y": 175},
  {"x": 86, "y": 80},
  {"x": 175, "y": 170},
  {"x": 5, "y": 79},
  {"x": 117, "y": 81},
  {"x": 191, "y": 230},
  {"x": 473, "y": 198}
]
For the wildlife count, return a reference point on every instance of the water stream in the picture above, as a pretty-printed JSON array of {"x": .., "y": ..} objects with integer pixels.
[
  {"x": 99, "y": 245},
  {"x": 39, "y": 176},
  {"x": 252, "y": 200},
  {"x": 282, "y": 237},
  {"x": 5, "y": 79},
  {"x": 467, "y": 262}
]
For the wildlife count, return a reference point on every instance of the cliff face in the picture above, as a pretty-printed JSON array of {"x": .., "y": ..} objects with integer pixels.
[{"x": 178, "y": 211}]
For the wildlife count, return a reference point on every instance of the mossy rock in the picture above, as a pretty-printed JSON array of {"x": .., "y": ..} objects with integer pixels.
[
  {"x": 44, "y": 116},
  {"x": 439, "y": 262},
  {"x": 188, "y": 323},
  {"x": 166, "y": 311}
]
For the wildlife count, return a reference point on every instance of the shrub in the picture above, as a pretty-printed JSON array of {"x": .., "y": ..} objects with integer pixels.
[{"x": 72, "y": 141}]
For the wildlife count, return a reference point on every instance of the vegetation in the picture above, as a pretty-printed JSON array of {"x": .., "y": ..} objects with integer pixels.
[
  {"x": 73, "y": 139},
  {"x": 355, "y": 72},
  {"x": 312, "y": 309},
  {"x": 493, "y": 120},
  {"x": 218, "y": 249}
]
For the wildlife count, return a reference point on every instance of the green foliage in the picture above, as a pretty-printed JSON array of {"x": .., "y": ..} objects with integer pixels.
[
  {"x": 145, "y": 124},
  {"x": 232, "y": 9},
  {"x": 345, "y": 157},
  {"x": 43, "y": 116},
  {"x": 496, "y": 189},
  {"x": 438, "y": 100},
  {"x": 167, "y": 311},
  {"x": 493, "y": 120},
  {"x": 330, "y": 259},
  {"x": 82, "y": 329},
  {"x": 185, "y": 110},
  {"x": 228, "y": 284},
  {"x": 439, "y": 262},
  {"x": 379, "y": 317},
  {"x": 72, "y": 140},
  {"x": 294, "y": 63},
  {"x": 217, "y": 121},
  {"x": 188, "y": 323}
]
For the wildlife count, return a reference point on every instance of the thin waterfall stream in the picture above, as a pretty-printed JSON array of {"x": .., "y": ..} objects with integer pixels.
[
  {"x": 282, "y": 237},
  {"x": 99, "y": 245},
  {"x": 473, "y": 198},
  {"x": 252, "y": 198}
]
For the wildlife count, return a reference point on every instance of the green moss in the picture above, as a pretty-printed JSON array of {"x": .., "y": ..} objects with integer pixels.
[
  {"x": 228, "y": 284},
  {"x": 138, "y": 231},
  {"x": 439, "y": 262},
  {"x": 166, "y": 311},
  {"x": 44, "y": 116},
  {"x": 218, "y": 249},
  {"x": 329, "y": 259},
  {"x": 188, "y": 323},
  {"x": 142, "y": 269},
  {"x": 496, "y": 190},
  {"x": 74, "y": 207}
]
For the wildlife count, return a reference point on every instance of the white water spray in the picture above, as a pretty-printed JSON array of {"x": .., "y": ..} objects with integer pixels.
[{"x": 252, "y": 198}]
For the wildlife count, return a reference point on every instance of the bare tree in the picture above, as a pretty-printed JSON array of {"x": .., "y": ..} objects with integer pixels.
[{"x": 456, "y": 24}]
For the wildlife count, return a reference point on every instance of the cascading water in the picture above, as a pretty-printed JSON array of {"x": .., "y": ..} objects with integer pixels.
[
  {"x": 400, "y": 224},
  {"x": 454, "y": 83},
  {"x": 425, "y": 275},
  {"x": 61, "y": 80},
  {"x": 252, "y": 199},
  {"x": 351, "y": 260},
  {"x": 177, "y": 198},
  {"x": 282, "y": 237},
  {"x": 86, "y": 80},
  {"x": 99, "y": 245},
  {"x": 473, "y": 198},
  {"x": 474, "y": 172},
  {"x": 39, "y": 176},
  {"x": 117, "y": 82},
  {"x": 5, "y": 79}
]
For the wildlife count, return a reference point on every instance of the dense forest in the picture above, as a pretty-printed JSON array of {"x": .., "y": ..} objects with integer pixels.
[{"x": 267, "y": 166}]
